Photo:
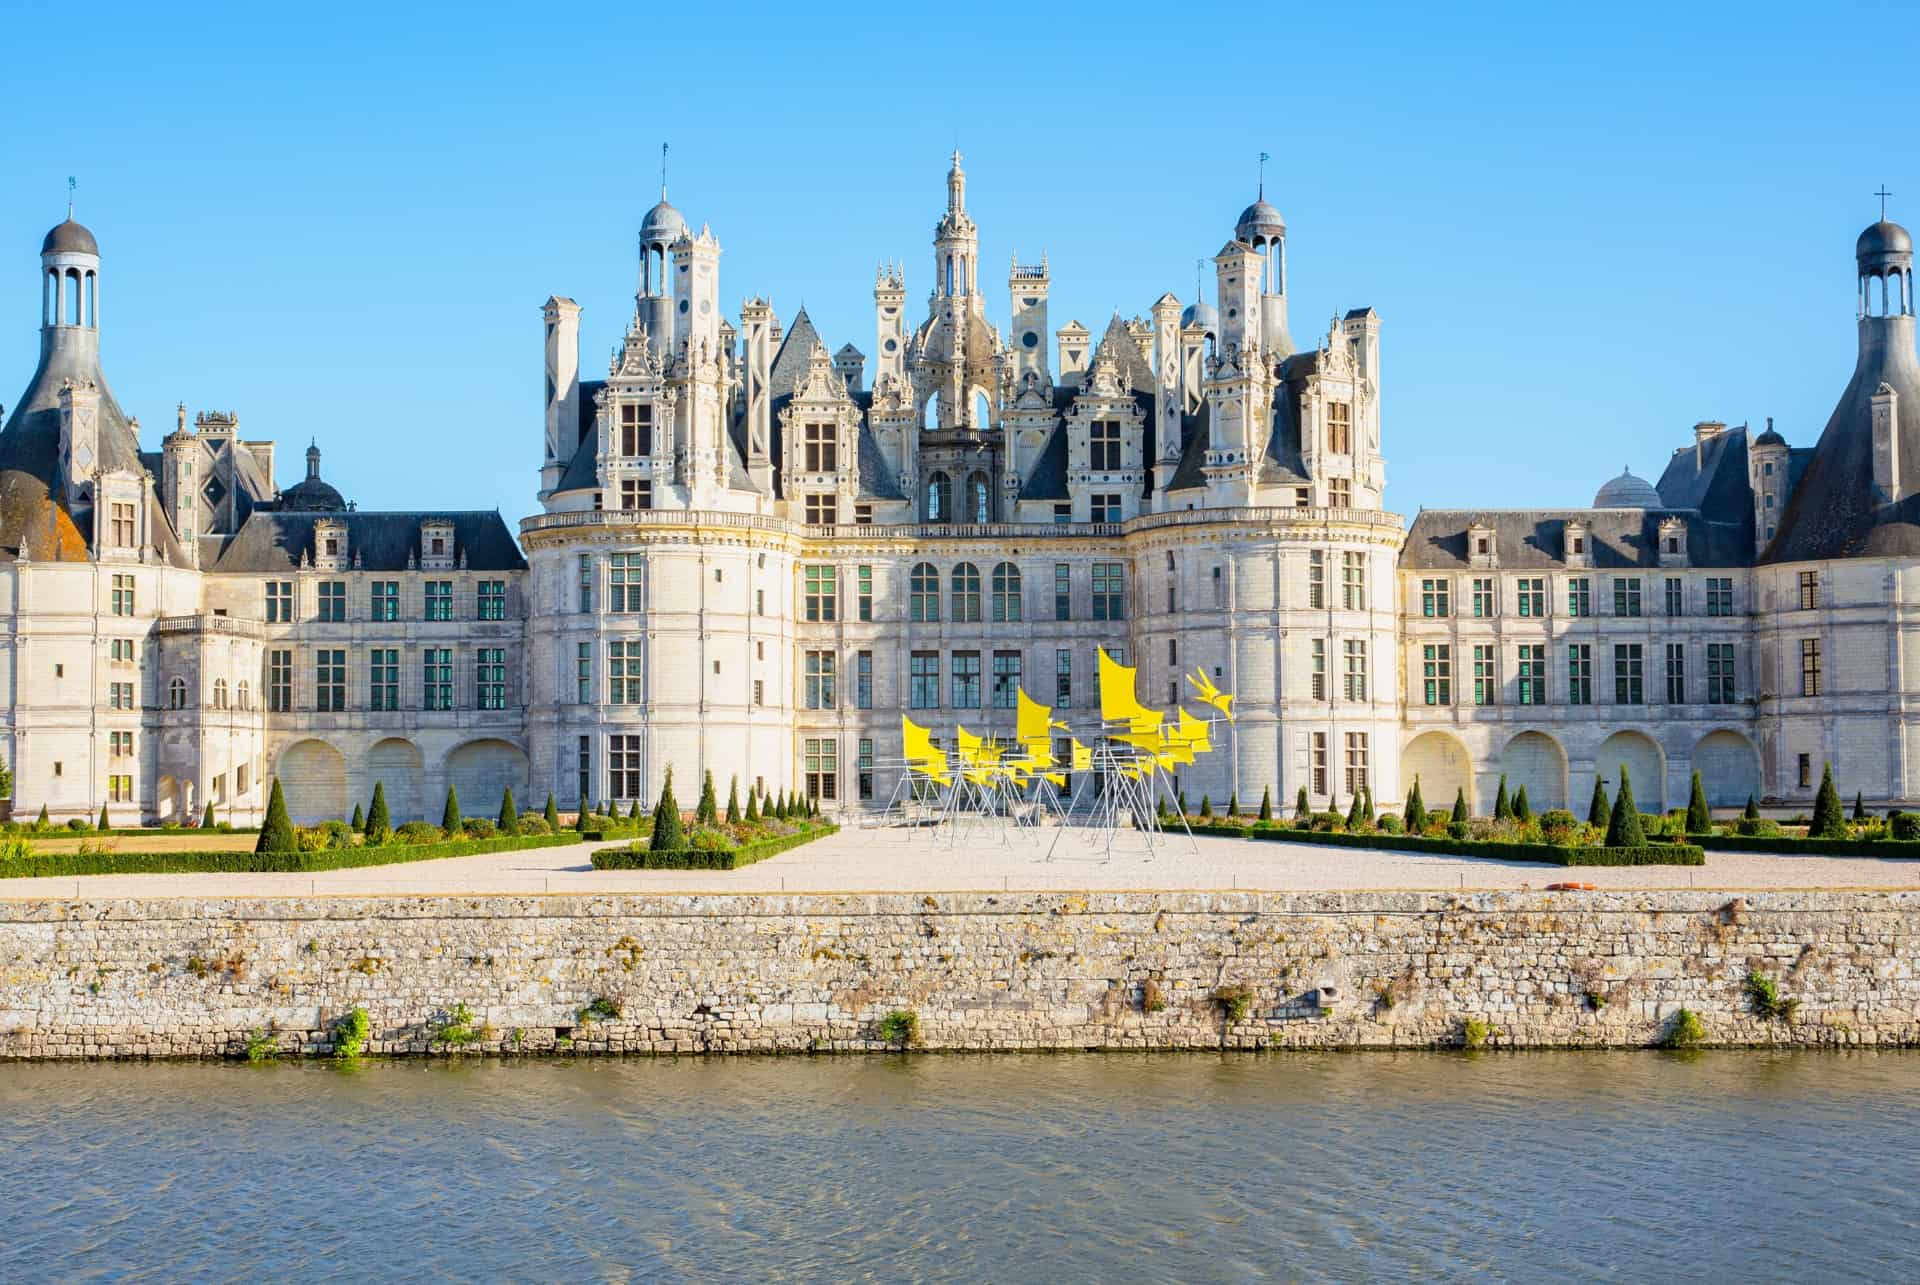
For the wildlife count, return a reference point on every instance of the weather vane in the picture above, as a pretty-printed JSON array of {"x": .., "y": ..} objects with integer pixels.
[
  {"x": 663, "y": 171},
  {"x": 1883, "y": 194},
  {"x": 71, "y": 184},
  {"x": 1264, "y": 158}
]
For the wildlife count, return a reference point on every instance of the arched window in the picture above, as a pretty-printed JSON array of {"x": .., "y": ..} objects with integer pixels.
[
  {"x": 242, "y": 696},
  {"x": 923, "y": 600},
  {"x": 982, "y": 412},
  {"x": 219, "y": 693},
  {"x": 73, "y": 296},
  {"x": 177, "y": 693},
  {"x": 966, "y": 592},
  {"x": 980, "y": 499},
  {"x": 1006, "y": 592},
  {"x": 939, "y": 498}
]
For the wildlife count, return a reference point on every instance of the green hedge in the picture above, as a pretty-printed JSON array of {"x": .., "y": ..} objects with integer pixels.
[
  {"x": 695, "y": 859},
  {"x": 165, "y": 863},
  {"x": 1897, "y": 849},
  {"x": 1652, "y": 854}
]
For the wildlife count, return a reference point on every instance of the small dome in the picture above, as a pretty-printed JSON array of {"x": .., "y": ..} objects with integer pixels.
[
  {"x": 312, "y": 496},
  {"x": 1259, "y": 220},
  {"x": 1769, "y": 438},
  {"x": 1202, "y": 314},
  {"x": 663, "y": 223},
  {"x": 1627, "y": 492},
  {"x": 1883, "y": 238},
  {"x": 70, "y": 238}
]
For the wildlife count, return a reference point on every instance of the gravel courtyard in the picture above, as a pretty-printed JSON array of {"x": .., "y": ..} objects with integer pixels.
[{"x": 890, "y": 861}]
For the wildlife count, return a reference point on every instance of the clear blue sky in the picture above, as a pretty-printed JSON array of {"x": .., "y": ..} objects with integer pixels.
[{"x": 1582, "y": 232}]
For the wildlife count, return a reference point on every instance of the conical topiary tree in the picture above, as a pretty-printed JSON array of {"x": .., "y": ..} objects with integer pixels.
[
  {"x": 707, "y": 812},
  {"x": 1752, "y": 811},
  {"x": 753, "y": 807},
  {"x": 1300, "y": 809},
  {"x": 633, "y": 813},
  {"x": 105, "y": 823},
  {"x": 1355, "y": 812},
  {"x": 1366, "y": 801},
  {"x": 733, "y": 801},
  {"x": 206, "y": 818},
  {"x": 551, "y": 815},
  {"x": 580, "y": 818},
  {"x": 1266, "y": 803},
  {"x": 668, "y": 835},
  {"x": 450, "y": 815},
  {"x": 1502, "y": 805},
  {"x": 276, "y": 832},
  {"x": 1206, "y": 808},
  {"x": 1233, "y": 804},
  {"x": 1829, "y": 822},
  {"x": 379, "y": 826},
  {"x": 509, "y": 822},
  {"x": 1522, "y": 810},
  {"x": 1599, "y": 811},
  {"x": 1182, "y": 800},
  {"x": 359, "y": 821},
  {"x": 42, "y": 821},
  {"x": 1460, "y": 804},
  {"x": 1859, "y": 804},
  {"x": 1699, "y": 819},
  {"x": 1623, "y": 827},
  {"x": 1416, "y": 811}
]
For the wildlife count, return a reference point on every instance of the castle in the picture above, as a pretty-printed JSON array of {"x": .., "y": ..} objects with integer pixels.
[{"x": 754, "y": 556}]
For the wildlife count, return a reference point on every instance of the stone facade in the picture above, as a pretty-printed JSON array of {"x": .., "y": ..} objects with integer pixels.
[
  {"x": 186, "y": 977},
  {"x": 751, "y": 561}
]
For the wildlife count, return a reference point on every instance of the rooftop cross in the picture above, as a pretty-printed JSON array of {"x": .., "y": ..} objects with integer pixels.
[{"x": 1883, "y": 194}]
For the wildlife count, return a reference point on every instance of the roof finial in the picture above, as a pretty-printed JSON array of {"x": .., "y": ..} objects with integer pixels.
[
  {"x": 1199, "y": 281},
  {"x": 1264, "y": 158},
  {"x": 73, "y": 183},
  {"x": 663, "y": 171},
  {"x": 1883, "y": 194}
]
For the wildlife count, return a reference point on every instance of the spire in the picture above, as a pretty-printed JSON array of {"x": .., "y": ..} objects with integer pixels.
[
  {"x": 73, "y": 183},
  {"x": 313, "y": 460},
  {"x": 663, "y": 171},
  {"x": 1264, "y": 158},
  {"x": 956, "y": 186}
]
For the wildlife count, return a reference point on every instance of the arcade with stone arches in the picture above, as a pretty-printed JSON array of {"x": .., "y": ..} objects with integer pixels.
[
  {"x": 323, "y": 781},
  {"x": 1538, "y": 760}
]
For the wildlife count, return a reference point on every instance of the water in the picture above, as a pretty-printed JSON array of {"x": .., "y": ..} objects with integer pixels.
[{"x": 1045, "y": 1168}]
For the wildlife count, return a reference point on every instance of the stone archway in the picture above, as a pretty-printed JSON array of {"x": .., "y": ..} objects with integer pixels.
[
  {"x": 313, "y": 779},
  {"x": 1536, "y": 761},
  {"x": 1646, "y": 764},
  {"x": 482, "y": 771},
  {"x": 1729, "y": 768},
  {"x": 168, "y": 807},
  {"x": 396, "y": 764},
  {"x": 1443, "y": 766}
]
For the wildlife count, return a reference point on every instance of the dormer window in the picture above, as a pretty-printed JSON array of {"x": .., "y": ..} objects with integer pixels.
[
  {"x": 636, "y": 429},
  {"x": 439, "y": 545},
  {"x": 436, "y": 545},
  {"x": 1103, "y": 445},
  {"x": 1579, "y": 544},
  {"x": 1340, "y": 428},
  {"x": 820, "y": 448}
]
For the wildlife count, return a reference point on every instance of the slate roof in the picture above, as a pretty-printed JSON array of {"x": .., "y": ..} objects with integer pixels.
[
  {"x": 581, "y": 472},
  {"x": 1535, "y": 539},
  {"x": 277, "y": 541},
  {"x": 1834, "y": 511}
]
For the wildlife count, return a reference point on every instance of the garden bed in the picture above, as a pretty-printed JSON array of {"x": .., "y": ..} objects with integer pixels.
[
  {"x": 1786, "y": 845},
  {"x": 1650, "y": 854},
  {"x": 636, "y": 856},
  {"x": 41, "y": 865}
]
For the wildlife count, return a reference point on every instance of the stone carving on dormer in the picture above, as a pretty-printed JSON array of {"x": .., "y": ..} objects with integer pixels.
[
  {"x": 1576, "y": 547},
  {"x": 1672, "y": 548},
  {"x": 1483, "y": 546}
]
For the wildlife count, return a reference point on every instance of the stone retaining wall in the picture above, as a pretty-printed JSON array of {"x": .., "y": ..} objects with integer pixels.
[{"x": 187, "y": 977}]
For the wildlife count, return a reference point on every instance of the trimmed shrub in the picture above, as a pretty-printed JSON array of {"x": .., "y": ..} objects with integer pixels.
[
  {"x": 103, "y": 825},
  {"x": 733, "y": 801},
  {"x": 580, "y": 818},
  {"x": 1752, "y": 812},
  {"x": 1623, "y": 827},
  {"x": 1699, "y": 819},
  {"x": 633, "y": 813},
  {"x": 276, "y": 832},
  {"x": 753, "y": 807},
  {"x": 1522, "y": 810},
  {"x": 1391, "y": 824},
  {"x": 638, "y": 855},
  {"x": 1859, "y": 805},
  {"x": 1904, "y": 826},
  {"x": 1354, "y": 814},
  {"x": 41, "y": 820},
  {"x": 359, "y": 822},
  {"x": 1558, "y": 826},
  {"x": 509, "y": 815},
  {"x": 1502, "y": 805},
  {"x": 1650, "y": 854},
  {"x": 418, "y": 832},
  {"x": 1266, "y": 803},
  {"x": 1599, "y": 811},
  {"x": 1233, "y": 804},
  {"x": 1366, "y": 800},
  {"x": 478, "y": 828},
  {"x": 1300, "y": 809},
  {"x": 1206, "y": 808},
  {"x": 707, "y": 811},
  {"x": 450, "y": 815},
  {"x": 1416, "y": 812},
  {"x": 551, "y": 814},
  {"x": 533, "y": 825},
  {"x": 1828, "y": 820},
  {"x": 1757, "y": 827},
  {"x": 1459, "y": 829},
  {"x": 1460, "y": 813},
  {"x": 379, "y": 826},
  {"x": 668, "y": 835},
  {"x": 206, "y": 818}
]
